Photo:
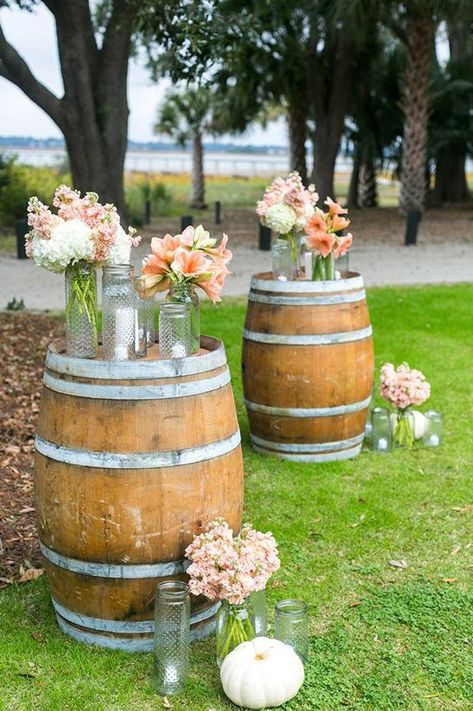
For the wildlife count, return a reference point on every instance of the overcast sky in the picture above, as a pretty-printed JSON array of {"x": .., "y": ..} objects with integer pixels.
[{"x": 33, "y": 35}]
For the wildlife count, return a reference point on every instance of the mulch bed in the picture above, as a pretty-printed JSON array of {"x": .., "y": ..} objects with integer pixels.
[{"x": 24, "y": 338}]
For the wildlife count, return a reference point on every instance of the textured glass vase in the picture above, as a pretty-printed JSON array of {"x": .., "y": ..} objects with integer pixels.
[
  {"x": 120, "y": 313},
  {"x": 291, "y": 626},
  {"x": 184, "y": 293},
  {"x": 403, "y": 429},
  {"x": 174, "y": 330},
  {"x": 81, "y": 310},
  {"x": 171, "y": 637},
  {"x": 235, "y": 624}
]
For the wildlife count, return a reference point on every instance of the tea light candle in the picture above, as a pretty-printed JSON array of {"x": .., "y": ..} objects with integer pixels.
[
  {"x": 125, "y": 332},
  {"x": 308, "y": 264}
]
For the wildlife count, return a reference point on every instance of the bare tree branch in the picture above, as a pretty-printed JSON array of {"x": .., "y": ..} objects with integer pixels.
[{"x": 14, "y": 68}]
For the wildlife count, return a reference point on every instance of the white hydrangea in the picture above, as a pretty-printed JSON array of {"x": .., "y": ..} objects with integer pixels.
[
  {"x": 121, "y": 250},
  {"x": 70, "y": 242},
  {"x": 280, "y": 218}
]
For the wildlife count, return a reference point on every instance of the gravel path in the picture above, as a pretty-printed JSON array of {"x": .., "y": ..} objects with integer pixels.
[{"x": 380, "y": 264}]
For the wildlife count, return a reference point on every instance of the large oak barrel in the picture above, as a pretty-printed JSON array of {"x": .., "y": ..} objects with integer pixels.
[
  {"x": 307, "y": 367},
  {"x": 132, "y": 458}
]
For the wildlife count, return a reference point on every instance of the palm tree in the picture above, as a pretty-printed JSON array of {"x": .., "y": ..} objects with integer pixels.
[{"x": 185, "y": 116}]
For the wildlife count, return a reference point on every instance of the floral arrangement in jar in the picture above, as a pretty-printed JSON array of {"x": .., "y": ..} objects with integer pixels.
[
  {"x": 322, "y": 239},
  {"x": 183, "y": 262},
  {"x": 286, "y": 207},
  {"x": 403, "y": 387},
  {"x": 228, "y": 568},
  {"x": 82, "y": 235}
]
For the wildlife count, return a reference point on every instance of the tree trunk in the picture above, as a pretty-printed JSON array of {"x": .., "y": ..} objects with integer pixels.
[
  {"x": 198, "y": 180},
  {"x": 368, "y": 190},
  {"x": 352, "y": 197},
  {"x": 93, "y": 113},
  {"x": 297, "y": 129},
  {"x": 416, "y": 108},
  {"x": 450, "y": 178},
  {"x": 326, "y": 146}
]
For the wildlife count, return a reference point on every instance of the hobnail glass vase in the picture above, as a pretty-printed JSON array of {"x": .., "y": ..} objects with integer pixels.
[
  {"x": 403, "y": 428},
  {"x": 81, "y": 310},
  {"x": 171, "y": 637},
  {"x": 184, "y": 293},
  {"x": 235, "y": 624},
  {"x": 119, "y": 313}
]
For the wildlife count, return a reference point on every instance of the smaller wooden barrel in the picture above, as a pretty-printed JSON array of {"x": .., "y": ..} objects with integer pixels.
[
  {"x": 132, "y": 458},
  {"x": 308, "y": 367}
]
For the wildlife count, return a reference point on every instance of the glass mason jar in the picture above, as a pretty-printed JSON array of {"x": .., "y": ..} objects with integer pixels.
[
  {"x": 403, "y": 428},
  {"x": 175, "y": 330},
  {"x": 81, "y": 310},
  {"x": 146, "y": 332},
  {"x": 258, "y": 601},
  {"x": 119, "y": 313},
  {"x": 380, "y": 430},
  {"x": 291, "y": 626},
  {"x": 342, "y": 266},
  {"x": 433, "y": 429},
  {"x": 184, "y": 293},
  {"x": 171, "y": 637},
  {"x": 283, "y": 266},
  {"x": 235, "y": 624}
]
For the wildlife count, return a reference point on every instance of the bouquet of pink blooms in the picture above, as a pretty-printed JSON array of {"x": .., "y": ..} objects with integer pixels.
[
  {"x": 229, "y": 568},
  {"x": 286, "y": 206},
  {"x": 192, "y": 257},
  {"x": 403, "y": 387},
  {"x": 321, "y": 238}
]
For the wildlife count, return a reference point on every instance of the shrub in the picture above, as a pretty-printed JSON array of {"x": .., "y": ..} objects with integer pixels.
[{"x": 138, "y": 191}]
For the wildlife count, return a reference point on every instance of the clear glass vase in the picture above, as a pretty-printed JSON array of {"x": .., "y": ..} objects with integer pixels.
[
  {"x": 403, "y": 429},
  {"x": 291, "y": 626},
  {"x": 174, "y": 330},
  {"x": 258, "y": 601},
  {"x": 323, "y": 268},
  {"x": 184, "y": 293},
  {"x": 171, "y": 637},
  {"x": 81, "y": 310},
  {"x": 283, "y": 266},
  {"x": 380, "y": 430},
  {"x": 235, "y": 624},
  {"x": 120, "y": 328}
]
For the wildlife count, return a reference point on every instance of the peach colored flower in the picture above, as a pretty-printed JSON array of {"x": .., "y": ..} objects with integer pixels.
[
  {"x": 323, "y": 242},
  {"x": 191, "y": 263},
  {"x": 344, "y": 244},
  {"x": 196, "y": 238},
  {"x": 316, "y": 222},
  {"x": 220, "y": 254},
  {"x": 334, "y": 208},
  {"x": 339, "y": 223},
  {"x": 150, "y": 284},
  {"x": 162, "y": 255}
]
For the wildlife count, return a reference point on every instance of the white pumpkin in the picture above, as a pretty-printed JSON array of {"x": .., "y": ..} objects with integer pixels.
[
  {"x": 262, "y": 673},
  {"x": 420, "y": 423}
]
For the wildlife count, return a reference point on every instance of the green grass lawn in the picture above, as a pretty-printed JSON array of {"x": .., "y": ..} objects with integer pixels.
[{"x": 381, "y": 637}]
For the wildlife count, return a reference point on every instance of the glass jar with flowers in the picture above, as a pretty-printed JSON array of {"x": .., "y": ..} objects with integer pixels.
[
  {"x": 229, "y": 568},
  {"x": 181, "y": 263},
  {"x": 82, "y": 235},
  {"x": 285, "y": 208},
  {"x": 403, "y": 387},
  {"x": 323, "y": 240}
]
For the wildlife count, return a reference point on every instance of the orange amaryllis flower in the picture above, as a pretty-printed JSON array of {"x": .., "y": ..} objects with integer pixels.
[
  {"x": 162, "y": 255},
  {"x": 323, "y": 242},
  {"x": 220, "y": 254},
  {"x": 213, "y": 286},
  {"x": 344, "y": 244},
  {"x": 196, "y": 238},
  {"x": 339, "y": 223},
  {"x": 334, "y": 208},
  {"x": 190, "y": 263},
  {"x": 316, "y": 222},
  {"x": 149, "y": 285}
]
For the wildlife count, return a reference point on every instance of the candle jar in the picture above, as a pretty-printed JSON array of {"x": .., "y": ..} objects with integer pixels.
[
  {"x": 283, "y": 262},
  {"x": 380, "y": 430},
  {"x": 258, "y": 602},
  {"x": 433, "y": 429},
  {"x": 174, "y": 330},
  {"x": 308, "y": 265},
  {"x": 185, "y": 293},
  {"x": 171, "y": 637},
  {"x": 291, "y": 626},
  {"x": 119, "y": 313}
]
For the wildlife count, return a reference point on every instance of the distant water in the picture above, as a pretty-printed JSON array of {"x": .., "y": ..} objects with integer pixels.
[{"x": 175, "y": 161}]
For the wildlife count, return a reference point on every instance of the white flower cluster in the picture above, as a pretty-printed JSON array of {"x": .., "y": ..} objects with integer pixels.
[
  {"x": 280, "y": 218},
  {"x": 120, "y": 253},
  {"x": 70, "y": 242}
]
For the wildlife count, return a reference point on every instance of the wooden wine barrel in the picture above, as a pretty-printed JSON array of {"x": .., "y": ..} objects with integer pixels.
[
  {"x": 307, "y": 367},
  {"x": 132, "y": 458}
]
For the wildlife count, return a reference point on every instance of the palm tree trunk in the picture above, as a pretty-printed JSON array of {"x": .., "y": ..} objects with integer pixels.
[
  {"x": 450, "y": 178},
  {"x": 297, "y": 129},
  {"x": 352, "y": 197},
  {"x": 368, "y": 189},
  {"x": 416, "y": 109},
  {"x": 198, "y": 180}
]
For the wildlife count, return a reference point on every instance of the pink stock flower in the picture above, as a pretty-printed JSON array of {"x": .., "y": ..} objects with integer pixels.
[
  {"x": 224, "y": 567},
  {"x": 289, "y": 191},
  {"x": 403, "y": 386}
]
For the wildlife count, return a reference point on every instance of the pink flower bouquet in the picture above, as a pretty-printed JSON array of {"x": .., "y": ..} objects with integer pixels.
[
  {"x": 403, "y": 387},
  {"x": 229, "y": 568},
  {"x": 322, "y": 239},
  {"x": 286, "y": 207}
]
